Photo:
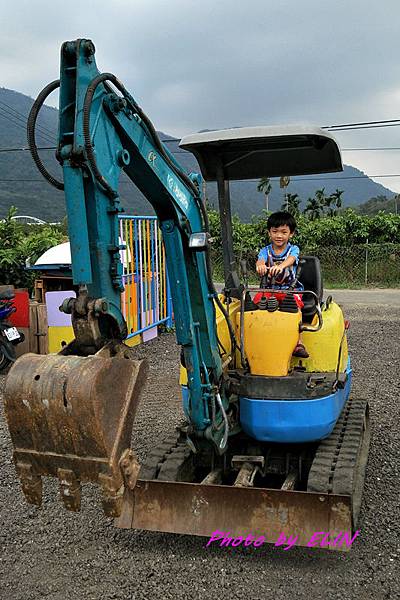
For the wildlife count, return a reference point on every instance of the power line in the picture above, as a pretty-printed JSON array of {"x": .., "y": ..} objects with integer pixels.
[
  {"x": 22, "y": 121},
  {"x": 7, "y": 117},
  {"x": 40, "y": 126},
  {"x": 295, "y": 177},
  {"x": 361, "y": 124},
  {"x": 55, "y": 148},
  {"x": 363, "y": 127},
  {"x": 18, "y": 123},
  {"x": 388, "y": 148},
  {"x": 340, "y": 127},
  {"x": 27, "y": 149},
  {"x": 349, "y": 127},
  {"x": 371, "y": 149},
  {"x": 44, "y": 131},
  {"x": 301, "y": 178}
]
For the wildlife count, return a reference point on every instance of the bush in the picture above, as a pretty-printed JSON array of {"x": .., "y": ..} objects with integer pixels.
[
  {"x": 340, "y": 242},
  {"x": 19, "y": 243}
]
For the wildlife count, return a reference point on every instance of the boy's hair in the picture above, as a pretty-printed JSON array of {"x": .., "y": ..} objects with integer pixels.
[{"x": 280, "y": 218}]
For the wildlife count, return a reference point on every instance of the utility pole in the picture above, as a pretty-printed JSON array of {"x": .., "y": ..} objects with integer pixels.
[{"x": 283, "y": 183}]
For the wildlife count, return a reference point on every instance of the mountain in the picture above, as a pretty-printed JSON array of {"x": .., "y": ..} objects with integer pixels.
[
  {"x": 31, "y": 193},
  {"x": 22, "y": 185}
]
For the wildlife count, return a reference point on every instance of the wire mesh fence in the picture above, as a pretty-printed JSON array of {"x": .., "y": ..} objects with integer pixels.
[
  {"x": 343, "y": 266},
  {"x": 366, "y": 264}
]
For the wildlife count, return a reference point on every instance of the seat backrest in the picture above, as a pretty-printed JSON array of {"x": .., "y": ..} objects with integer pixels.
[{"x": 309, "y": 274}]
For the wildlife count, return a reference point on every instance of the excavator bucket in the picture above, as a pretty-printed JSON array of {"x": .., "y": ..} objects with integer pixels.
[{"x": 71, "y": 417}]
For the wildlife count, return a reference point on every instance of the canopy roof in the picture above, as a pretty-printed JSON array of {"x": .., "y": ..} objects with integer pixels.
[{"x": 255, "y": 152}]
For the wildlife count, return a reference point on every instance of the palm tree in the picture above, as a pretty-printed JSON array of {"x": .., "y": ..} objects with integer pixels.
[
  {"x": 322, "y": 199},
  {"x": 314, "y": 208},
  {"x": 264, "y": 185},
  {"x": 335, "y": 202},
  {"x": 292, "y": 203},
  {"x": 328, "y": 201}
]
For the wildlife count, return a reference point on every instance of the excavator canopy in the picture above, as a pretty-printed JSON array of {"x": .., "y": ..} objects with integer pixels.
[{"x": 254, "y": 152}]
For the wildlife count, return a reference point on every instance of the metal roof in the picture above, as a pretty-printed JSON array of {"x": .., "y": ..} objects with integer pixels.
[
  {"x": 268, "y": 151},
  {"x": 57, "y": 255}
]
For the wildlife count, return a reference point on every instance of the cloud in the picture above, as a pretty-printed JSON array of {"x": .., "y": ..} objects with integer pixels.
[{"x": 195, "y": 65}]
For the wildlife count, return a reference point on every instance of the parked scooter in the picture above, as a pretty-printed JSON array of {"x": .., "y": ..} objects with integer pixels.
[{"x": 9, "y": 335}]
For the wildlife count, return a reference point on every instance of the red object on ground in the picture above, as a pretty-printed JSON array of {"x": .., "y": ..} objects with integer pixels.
[
  {"x": 279, "y": 296},
  {"x": 20, "y": 318}
]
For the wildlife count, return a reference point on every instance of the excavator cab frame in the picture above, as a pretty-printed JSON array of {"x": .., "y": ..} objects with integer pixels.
[{"x": 251, "y": 153}]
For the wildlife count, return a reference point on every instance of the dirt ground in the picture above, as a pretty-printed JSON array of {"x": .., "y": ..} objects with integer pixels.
[{"x": 49, "y": 553}]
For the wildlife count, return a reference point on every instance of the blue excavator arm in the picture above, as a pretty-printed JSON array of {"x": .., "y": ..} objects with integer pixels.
[
  {"x": 102, "y": 133},
  {"x": 71, "y": 414}
]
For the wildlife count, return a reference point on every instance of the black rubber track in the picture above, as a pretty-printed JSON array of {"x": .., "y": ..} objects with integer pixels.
[
  {"x": 172, "y": 460},
  {"x": 155, "y": 458},
  {"x": 340, "y": 460}
]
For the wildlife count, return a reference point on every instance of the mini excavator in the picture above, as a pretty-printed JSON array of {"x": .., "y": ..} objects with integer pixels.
[{"x": 271, "y": 443}]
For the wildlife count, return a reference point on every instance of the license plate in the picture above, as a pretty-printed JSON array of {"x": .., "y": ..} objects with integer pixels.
[{"x": 12, "y": 333}]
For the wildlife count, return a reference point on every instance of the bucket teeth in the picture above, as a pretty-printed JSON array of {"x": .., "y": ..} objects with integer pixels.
[
  {"x": 112, "y": 495},
  {"x": 31, "y": 483},
  {"x": 70, "y": 489}
]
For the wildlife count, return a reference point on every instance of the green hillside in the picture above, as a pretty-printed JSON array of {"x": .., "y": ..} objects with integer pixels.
[{"x": 380, "y": 203}]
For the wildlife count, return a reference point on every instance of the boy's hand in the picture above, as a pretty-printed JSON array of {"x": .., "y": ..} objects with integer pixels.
[
  {"x": 261, "y": 267},
  {"x": 275, "y": 270}
]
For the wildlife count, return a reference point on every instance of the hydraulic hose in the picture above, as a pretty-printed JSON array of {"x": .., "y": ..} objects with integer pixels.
[
  {"x": 105, "y": 77},
  {"x": 226, "y": 424},
  {"x": 31, "y": 126}
]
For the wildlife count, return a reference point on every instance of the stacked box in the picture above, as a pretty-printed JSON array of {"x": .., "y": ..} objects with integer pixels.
[
  {"x": 60, "y": 332},
  {"x": 20, "y": 318}
]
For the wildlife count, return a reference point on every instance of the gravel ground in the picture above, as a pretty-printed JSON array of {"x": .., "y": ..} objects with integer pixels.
[{"x": 49, "y": 553}]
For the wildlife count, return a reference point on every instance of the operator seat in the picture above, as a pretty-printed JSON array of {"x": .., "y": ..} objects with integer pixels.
[{"x": 311, "y": 278}]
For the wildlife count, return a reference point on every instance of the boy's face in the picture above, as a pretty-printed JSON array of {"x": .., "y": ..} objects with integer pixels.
[{"x": 280, "y": 236}]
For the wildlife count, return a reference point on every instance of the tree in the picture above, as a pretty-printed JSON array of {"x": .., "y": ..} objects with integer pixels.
[
  {"x": 333, "y": 202},
  {"x": 316, "y": 206},
  {"x": 314, "y": 209},
  {"x": 376, "y": 204},
  {"x": 323, "y": 200},
  {"x": 264, "y": 186},
  {"x": 292, "y": 204},
  {"x": 18, "y": 244}
]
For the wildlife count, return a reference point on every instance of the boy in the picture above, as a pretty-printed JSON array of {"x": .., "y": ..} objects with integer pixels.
[{"x": 279, "y": 262}]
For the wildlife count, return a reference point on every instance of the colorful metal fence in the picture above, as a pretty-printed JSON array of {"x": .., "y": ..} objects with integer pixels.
[{"x": 146, "y": 301}]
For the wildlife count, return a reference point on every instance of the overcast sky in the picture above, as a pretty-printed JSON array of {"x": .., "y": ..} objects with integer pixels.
[{"x": 213, "y": 64}]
